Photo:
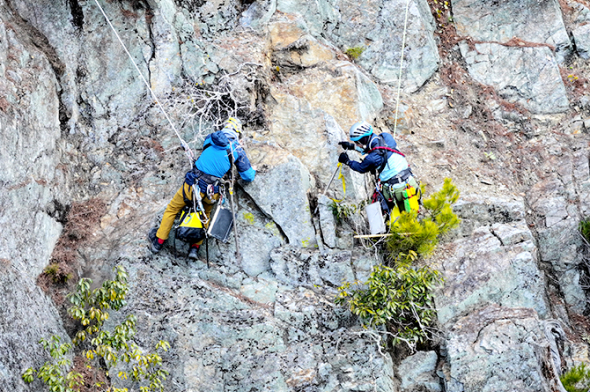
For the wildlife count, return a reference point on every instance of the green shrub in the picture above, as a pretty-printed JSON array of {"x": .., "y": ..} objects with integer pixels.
[
  {"x": 57, "y": 273},
  {"x": 355, "y": 52},
  {"x": 398, "y": 297},
  {"x": 343, "y": 211},
  {"x": 584, "y": 228},
  {"x": 577, "y": 379},
  {"x": 91, "y": 308},
  {"x": 410, "y": 233}
]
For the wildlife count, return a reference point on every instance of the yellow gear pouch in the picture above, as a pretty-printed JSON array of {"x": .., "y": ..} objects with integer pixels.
[
  {"x": 411, "y": 198},
  {"x": 190, "y": 228},
  {"x": 190, "y": 219}
]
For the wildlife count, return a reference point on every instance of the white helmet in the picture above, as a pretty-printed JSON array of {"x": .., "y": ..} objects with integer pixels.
[{"x": 360, "y": 130}]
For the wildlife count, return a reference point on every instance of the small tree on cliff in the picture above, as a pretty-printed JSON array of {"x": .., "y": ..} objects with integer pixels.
[
  {"x": 399, "y": 297},
  {"x": 91, "y": 308}
]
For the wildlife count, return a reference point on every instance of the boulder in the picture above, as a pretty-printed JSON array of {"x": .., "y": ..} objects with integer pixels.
[
  {"x": 528, "y": 76},
  {"x": 417, "y": 373},
  {"x": 281, "y": 177},
  {"x": 529, "y": 20},
  {"x": 559, "y": 241},
  {"x": 496, "y": 265},
  {"x": 581, "y": 37},
  {"x": 293, "y": 47},
  {"x": 327, "y": 221}
]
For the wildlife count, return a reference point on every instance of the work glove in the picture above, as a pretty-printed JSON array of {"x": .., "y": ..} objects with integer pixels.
[
  {"x": 343, "y": 158},
  {"x": 190, "y": 178},
  {"x": 347, "y": 145}
]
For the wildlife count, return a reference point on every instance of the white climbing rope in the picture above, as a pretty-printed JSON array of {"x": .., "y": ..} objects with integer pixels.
[
  {"x": 184, "y": 144},
  {"x": 401, "y": 63}
]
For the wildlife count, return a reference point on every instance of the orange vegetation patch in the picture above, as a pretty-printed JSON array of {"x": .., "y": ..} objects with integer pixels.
[{"x": 81, "y": 222}]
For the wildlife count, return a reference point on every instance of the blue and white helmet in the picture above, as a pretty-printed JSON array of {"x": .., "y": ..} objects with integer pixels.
[{"x": 360, "y": 130}]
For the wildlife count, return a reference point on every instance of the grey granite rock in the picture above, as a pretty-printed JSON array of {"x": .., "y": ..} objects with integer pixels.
[
  {"x": 260, "y": 336},
  {"x": 581, "y": 38},
  {"x": 483, "y": 269},
  {"x": 529, "y": 20},
  {"x": 497, "y": 349},
  {"x": 327, "y": 221},
  {"x": 294, "y": 266},
  {"x": 32, "y": 198},
  {"x": 417, "y": 372},
  {"x": 528, "y": 76},
  {"x": 378, "y": 27},
  {"x": 284, "y": 178}
]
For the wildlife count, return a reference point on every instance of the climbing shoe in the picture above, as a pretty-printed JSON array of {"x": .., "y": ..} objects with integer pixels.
[
  {"x": 193, "y": 254},
  {"x": 155, "y": 244}
]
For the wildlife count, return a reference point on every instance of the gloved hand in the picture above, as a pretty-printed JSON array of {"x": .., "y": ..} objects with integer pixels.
[
  {"x": 343, "y": 158},
  {"x": 190, "y": 178},
  {"x": 347, "y": 145}
]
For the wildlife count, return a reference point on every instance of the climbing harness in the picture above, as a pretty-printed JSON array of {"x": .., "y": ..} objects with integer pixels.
[
  {"x": 189, "y": 153},
  {"x": 401, "y": 63}
]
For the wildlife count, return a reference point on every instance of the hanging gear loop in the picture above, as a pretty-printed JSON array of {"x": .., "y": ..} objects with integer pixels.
[{"x": 184, "y": 144}]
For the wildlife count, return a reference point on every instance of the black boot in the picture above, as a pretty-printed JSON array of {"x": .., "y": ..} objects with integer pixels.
[
  {"x": 193, "y": 254},
  {"x": 155, "y": 246}
]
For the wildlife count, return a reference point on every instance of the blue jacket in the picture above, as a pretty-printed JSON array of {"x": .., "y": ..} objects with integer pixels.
[
  {"x": 375, "y": 159},
  {"x": 215, "y": 161}
]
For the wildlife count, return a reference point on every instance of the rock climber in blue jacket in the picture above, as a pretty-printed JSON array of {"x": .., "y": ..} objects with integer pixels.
[
  {"x": 383, "y": 159},
  {"x": 207, "y": 173}
]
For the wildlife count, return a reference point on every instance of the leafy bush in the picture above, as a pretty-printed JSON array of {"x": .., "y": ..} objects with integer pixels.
[
  {"x": 577, "y": 379},
  {"x": 91, "y": 308},
  {"x": 343, "y": 211},
  {"x": 409, "y": 233},
  {"x": 399, "y": 298},
  {"x": 584, "y": 228},
  {"x": 355, "y": 52}
]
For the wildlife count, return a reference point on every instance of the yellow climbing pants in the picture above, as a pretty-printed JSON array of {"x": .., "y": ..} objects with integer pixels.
[{"x": 177, "y": 204}]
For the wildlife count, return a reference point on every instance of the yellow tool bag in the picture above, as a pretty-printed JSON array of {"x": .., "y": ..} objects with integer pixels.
[
  {"x": 190, "y": 228},
  {"x": 411, "y": 198}
]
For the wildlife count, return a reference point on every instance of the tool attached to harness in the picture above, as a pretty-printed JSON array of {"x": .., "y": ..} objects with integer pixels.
[{"x": 221, "y": 224}]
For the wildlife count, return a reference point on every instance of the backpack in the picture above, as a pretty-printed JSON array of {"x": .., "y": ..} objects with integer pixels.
[{"x": 382, "y": 150}]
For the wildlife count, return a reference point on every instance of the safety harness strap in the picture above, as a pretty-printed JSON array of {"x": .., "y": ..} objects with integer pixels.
[{"x": 388, "y": 149}]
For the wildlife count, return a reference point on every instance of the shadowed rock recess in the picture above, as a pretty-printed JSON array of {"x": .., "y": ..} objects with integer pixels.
[{"x": 77, "y": 125}]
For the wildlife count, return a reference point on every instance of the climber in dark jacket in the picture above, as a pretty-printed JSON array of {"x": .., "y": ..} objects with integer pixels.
[
  {"x": 207, "y": 172},
  {"x": 382, "y": 159}
]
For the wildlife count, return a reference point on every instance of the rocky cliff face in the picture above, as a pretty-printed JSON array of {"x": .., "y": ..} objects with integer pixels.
[{"x": 494, "y": 95}]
